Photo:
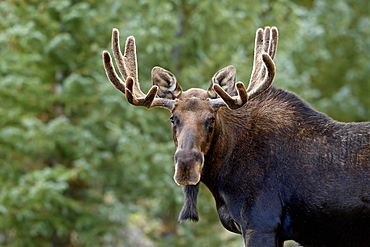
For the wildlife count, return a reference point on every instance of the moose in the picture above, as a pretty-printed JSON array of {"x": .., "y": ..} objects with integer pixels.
[{"x": 278, "y": 169}]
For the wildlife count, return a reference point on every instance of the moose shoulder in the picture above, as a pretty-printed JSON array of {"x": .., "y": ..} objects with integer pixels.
[{"x": 278, "y": 169}]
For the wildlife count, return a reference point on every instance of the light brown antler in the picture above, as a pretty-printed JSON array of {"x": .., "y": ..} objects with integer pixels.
[
  {"x": 264, "y": 53},
  {"x": 233, "y": 102},
  {"x": 262, "y": 75},
  {"x": 127, "y": 66}
]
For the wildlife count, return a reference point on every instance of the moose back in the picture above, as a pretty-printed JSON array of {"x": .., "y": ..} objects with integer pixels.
[{"x": 278, "y": 169}]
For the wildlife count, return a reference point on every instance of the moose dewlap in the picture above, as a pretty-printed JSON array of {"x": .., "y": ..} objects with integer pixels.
[{"x": 278, "y": 169}]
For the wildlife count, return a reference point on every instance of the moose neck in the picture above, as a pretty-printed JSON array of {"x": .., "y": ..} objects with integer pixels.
[{"x": 274, "y": 113}]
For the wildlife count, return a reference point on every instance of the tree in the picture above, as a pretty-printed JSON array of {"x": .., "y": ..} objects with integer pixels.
[{"x": 51, "y": 145}]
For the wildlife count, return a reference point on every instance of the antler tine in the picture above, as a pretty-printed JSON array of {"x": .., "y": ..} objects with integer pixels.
[
  {"x": 265, "y": 50},
  {"x": 266, "y": 83},
  {"x": 269, "y": 46},
  {"x": 266, "y": 42},
  {"x": 258, "y": 49},
  {"x": 274, "y": 42},
  {"x": 111, "y": 72},
  {"x": 132, "y": 99},
  {"x": 127, "y": 63},
  {"x": 233, "y": 102},
  {"x": 117, "y": 53},
  {"x": 149, "y": 100}
]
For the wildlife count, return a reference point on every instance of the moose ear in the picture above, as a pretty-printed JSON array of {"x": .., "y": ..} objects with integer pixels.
[
  {"x": 166, "y": 82},
  {"x": 226, "y": 79}
]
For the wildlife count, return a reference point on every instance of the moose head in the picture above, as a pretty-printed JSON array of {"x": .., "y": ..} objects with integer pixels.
[{"x": 195, "y": 111}]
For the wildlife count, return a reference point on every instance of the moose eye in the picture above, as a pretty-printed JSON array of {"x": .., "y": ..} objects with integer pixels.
[
  {"x": 174, "y": 119},
  {"x": 210, "y": 122}
]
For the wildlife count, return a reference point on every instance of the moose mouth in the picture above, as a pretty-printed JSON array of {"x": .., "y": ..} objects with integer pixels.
[
  {"x": 186, "y": 182},
  {"x": 188, "y": 167}
]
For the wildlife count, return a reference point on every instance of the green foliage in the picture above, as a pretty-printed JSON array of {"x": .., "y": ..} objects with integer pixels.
[
  {"x": 81, "y": 167},
  {"x": 327, "y": 62}
]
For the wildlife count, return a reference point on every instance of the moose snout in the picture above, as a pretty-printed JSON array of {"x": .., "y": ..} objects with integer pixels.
[{"x": 188, "y": 166}]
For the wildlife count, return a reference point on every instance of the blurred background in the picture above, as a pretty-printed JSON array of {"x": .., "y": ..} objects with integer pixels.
[{"x": 79, "y": 166}]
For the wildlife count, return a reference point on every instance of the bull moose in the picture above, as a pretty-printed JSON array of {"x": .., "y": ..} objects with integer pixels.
[{"x": 278, "y": 169}]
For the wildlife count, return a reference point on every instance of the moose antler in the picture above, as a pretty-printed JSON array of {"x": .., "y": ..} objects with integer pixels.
[
  {"x": 127, "y": 66},
  {"x": 262, "y": 76},
  {"x": 264, "y": 53}
]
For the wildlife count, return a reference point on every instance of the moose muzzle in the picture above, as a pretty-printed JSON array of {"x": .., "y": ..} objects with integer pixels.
[{"x": 188, "y": 166}]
